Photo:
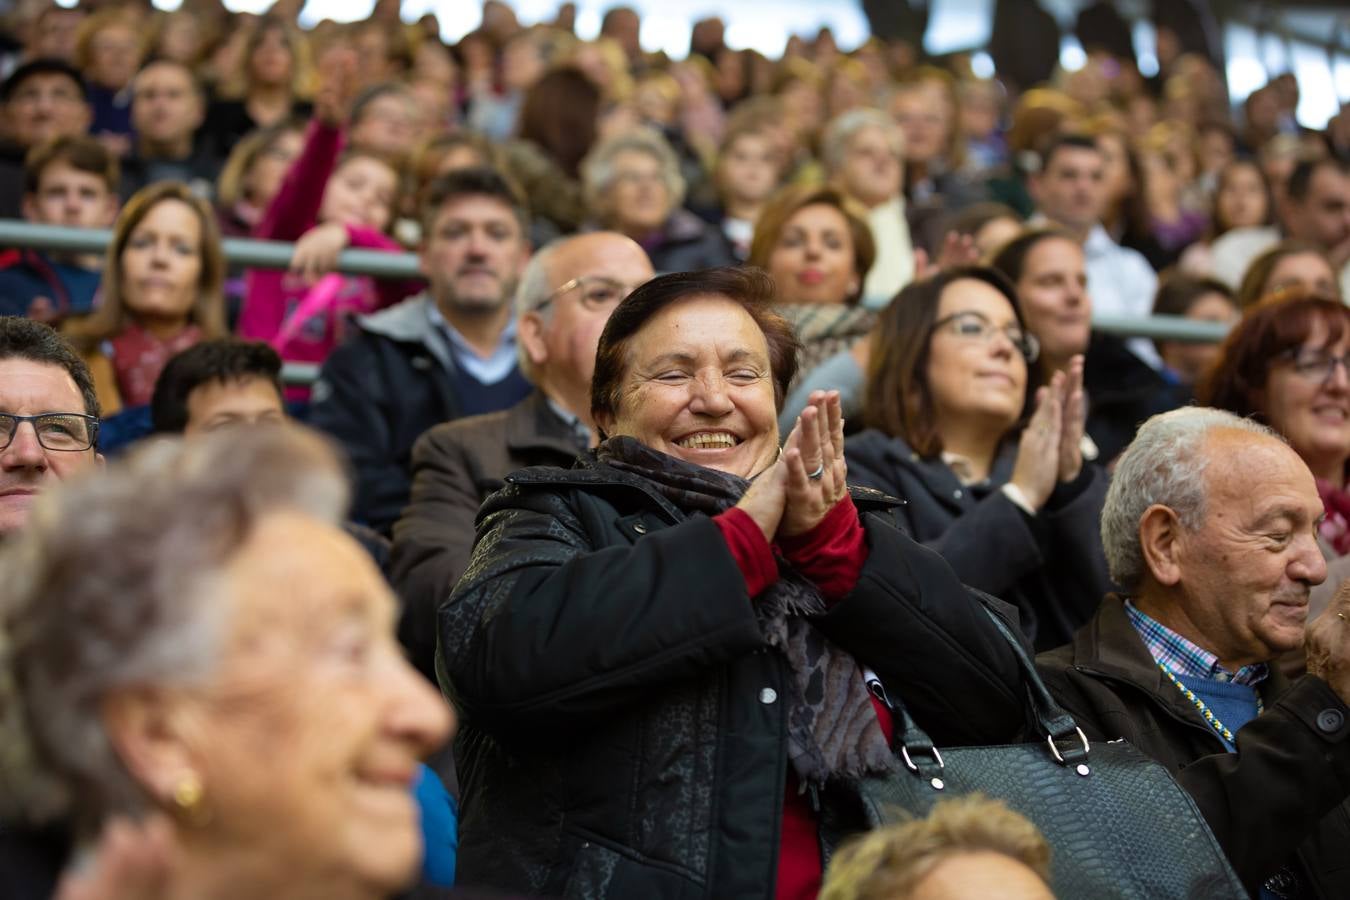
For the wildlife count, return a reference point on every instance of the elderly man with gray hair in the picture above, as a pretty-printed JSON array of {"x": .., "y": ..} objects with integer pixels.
[
  {"x": 565, "y": 296},
  {"x": 1210, "y": 526}
]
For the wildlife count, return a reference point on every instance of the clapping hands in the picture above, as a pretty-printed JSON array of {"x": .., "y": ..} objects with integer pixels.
[
  {"x": 1051, "y": 449},
  {"x": 794, "y": 494}
]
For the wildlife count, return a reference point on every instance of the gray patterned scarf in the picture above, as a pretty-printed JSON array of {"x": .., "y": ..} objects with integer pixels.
[{"x": 832, "y": 727}]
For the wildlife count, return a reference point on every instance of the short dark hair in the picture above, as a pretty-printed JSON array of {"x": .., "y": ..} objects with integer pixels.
[
  {"x": 898, "y": 399},
  {"x": 42, "y": 67},
  {"x": 22, "y": 338},
  {"x": 482, "y": 181},
  {"x": 1300, "y": 180},
  {"x": 221, "y": 360},
  {"x": 1177, "y": 293},
  {"x": 751, "y": 288},
  {"x": 80, "y": 152},
  {"x": 1065, "y": 142}
]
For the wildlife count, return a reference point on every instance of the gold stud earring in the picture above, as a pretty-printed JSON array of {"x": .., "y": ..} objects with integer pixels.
[{"x": 188, "y": 796}]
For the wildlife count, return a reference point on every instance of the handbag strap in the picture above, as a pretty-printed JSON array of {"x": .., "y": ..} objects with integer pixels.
[
  {"x": 1051, "y": 718},
  {"x": 1068, "y": 745}
]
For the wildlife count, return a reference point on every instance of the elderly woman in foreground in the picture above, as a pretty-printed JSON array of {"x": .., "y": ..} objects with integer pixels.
[
  {"x": 666, "y": 657},
  {"x": 161, "y": 662}
]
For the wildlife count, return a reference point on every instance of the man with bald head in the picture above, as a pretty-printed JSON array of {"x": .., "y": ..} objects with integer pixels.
[
  {"x": 1210, "y": 526},
  {"x": 565, "y": 296}
]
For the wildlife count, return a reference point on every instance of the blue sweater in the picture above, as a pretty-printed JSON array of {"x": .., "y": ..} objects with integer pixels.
[{"x": 1232, "y": 704}]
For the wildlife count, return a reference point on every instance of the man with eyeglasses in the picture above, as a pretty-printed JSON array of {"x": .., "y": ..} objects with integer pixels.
[
  {"x": 48, "y": 416},
  {"x": 444, "y": 354},
  {"x": 565, "y": 297}
]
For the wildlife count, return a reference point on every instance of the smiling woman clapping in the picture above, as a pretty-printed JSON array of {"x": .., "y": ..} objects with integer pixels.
[
  {"x": 1013, "y": 510},
  {"x": 660, "y": 653}
]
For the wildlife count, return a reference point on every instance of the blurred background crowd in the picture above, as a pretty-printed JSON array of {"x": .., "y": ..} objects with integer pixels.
[{"x": 964, "y": 242}]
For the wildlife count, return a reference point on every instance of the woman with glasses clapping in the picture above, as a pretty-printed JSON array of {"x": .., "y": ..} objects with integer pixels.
[{"x": 950, "y": 378}]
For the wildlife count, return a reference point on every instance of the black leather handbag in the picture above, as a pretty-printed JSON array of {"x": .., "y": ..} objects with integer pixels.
[{"x": 1118, "y": 824}]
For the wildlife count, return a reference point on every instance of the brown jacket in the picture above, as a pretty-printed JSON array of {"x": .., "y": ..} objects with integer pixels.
[
  {"x": 455, "y": 467},
  {"x": 1282, "y": 792}
]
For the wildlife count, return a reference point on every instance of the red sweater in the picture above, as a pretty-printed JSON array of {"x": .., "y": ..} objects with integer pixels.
[{"x": 831, "y": 556}]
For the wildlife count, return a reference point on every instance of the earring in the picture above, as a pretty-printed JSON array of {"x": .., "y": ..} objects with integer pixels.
[{"x": 188, "y": 795}]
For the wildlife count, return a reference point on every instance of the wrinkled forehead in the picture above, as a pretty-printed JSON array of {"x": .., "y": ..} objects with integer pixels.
[
  {"x": 29, "y": 387},
  {"x": 1254, "y": 473},
  {"x": 324, "y": 577},
  {"x": 700, "y": 328},
  {"x": 606, "y": 255}
]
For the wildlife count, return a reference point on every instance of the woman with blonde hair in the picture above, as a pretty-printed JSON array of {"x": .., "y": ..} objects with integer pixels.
[
  {"x": 967, "y": 848},
  {"x": 162, "y": 293},
  {"x": 268, "y": 93}
]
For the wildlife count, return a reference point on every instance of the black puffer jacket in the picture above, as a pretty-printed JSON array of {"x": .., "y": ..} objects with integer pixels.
[
  {"x": 623, "y": 733},
  {"x": 1050, "y": 566}
]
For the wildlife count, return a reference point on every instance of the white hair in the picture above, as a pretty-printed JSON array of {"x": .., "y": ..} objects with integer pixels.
[
  {"x": 1164, "y": 464},
  {"x": 843, "y": 128},
  {"x": 116, "y": 581},
  {"x": 597, "y": 169},
  {"x": 535, "y": 286}
]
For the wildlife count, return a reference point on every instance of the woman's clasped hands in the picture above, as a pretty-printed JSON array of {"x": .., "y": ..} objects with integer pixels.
[
  {"x": 1051, "y": 448},
  {"x": 794, "y": 494}
]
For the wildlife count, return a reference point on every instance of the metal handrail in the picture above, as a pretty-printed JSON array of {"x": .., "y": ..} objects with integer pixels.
[
  {"x": 240, "y": 252},
  {"x": 247, "y": 252}
]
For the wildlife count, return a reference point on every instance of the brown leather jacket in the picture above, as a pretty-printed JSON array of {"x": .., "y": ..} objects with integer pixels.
[
  {"x": 455, "y": 466},
  {"x": 1284, "y": 791}
]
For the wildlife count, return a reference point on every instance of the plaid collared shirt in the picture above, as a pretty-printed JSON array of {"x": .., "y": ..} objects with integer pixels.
[{"x": 1184, "y": 659}]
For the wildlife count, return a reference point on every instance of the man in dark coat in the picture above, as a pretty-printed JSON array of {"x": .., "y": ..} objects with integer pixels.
[
  {"x": 1210, "y": 525},
  {"x": 448, "y": 353},
  {"x": 565, "y": 297}
]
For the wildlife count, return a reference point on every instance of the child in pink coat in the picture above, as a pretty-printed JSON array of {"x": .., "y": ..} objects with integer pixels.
[{"x": 331, "y": 199}]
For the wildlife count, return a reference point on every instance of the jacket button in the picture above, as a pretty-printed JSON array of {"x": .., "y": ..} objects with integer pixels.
[
  {"x": 640, "y": 528},
  {"x": 1330, "y": 720},
  {"x": 767, "y": 696},
  {"x": 956, "y": 494}
]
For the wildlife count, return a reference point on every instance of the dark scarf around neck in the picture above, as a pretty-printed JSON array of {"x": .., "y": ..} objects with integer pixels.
[{"x": 832, "y": 727}]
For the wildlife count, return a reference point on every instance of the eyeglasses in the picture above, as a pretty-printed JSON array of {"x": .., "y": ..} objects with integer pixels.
[
  {"x": 1316, "y": 365},
  {"x": 973, "y": 326},
  {"x": 597, "y": 292},
  {"x": 55, "y": 431}
]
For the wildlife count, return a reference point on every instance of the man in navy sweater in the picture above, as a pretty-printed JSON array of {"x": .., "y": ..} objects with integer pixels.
[
  {"x": 446, "y": 353},
  {"x": 1210, "y": 525}
]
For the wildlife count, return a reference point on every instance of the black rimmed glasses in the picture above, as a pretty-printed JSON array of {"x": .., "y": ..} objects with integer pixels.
[
  {"x": 1316, "y": 365},
  {"x": 55, "y": 431},
  {"x": 973, "y": 326},
  {"x": 597, "y": 292}
]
